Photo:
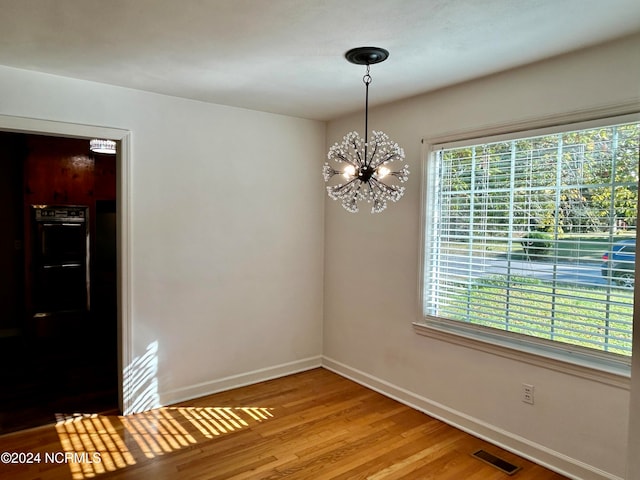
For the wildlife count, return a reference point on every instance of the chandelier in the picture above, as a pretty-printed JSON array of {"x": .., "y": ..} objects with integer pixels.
[{"x": 364, "y": 165}]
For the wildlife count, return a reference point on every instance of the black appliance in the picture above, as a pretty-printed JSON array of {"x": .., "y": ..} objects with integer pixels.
[{"x": 60, "y": 259}]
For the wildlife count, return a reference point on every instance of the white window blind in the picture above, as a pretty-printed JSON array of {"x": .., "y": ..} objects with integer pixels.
[{"x": 536, "y": 236}]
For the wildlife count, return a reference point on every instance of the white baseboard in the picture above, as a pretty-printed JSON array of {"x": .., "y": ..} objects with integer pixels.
[
  {"x": 562, "y": 464},
  {"x": 235, "y": 381}
]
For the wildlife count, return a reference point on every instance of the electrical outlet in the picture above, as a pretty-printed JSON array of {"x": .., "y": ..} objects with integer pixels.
[{"x": 527, "y": 393}]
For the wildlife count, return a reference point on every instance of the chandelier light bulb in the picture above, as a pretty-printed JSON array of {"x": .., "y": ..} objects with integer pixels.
[
  {"x": 349, "y": 172},
  {"x": 382, "y": 172}
]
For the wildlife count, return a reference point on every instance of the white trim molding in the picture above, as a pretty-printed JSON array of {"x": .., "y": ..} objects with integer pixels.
[
  {"x": 556, "y": 461},
  {"x": 592, "y": 367},
  {"x": 240, "y": 380},
  {"x": 630, "y": 110}
]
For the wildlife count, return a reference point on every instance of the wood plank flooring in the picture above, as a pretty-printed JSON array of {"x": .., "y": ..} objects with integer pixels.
[{"x": 314, "y": 425}]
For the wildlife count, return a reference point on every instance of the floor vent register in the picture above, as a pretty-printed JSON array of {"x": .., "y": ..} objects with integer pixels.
[{"x": 498, "y": 463}]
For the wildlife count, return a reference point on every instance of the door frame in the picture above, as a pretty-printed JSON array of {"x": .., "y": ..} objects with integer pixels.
[{"x": 123, "y": 218}]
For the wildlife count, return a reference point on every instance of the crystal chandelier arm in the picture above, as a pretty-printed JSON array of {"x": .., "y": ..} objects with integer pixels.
[
  {"x": 394, "y": 192},
  {"x": 328, "y": 171},
  {"x": 348, "y": 193},
  {"x": 351, "y": 203},
  {"x": 359, "y": 162},
  {"x": 389, "y": 158},
  {"x": 386, "y": 150},
  {"x": 344, "y": 159},
  {"x": 338, "y": 190},
  {"x": 369, "y": 162},
  {"x": 402, "y": 175}
]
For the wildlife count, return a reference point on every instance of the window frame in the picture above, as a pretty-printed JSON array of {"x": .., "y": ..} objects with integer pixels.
[{"x": 601, "y": 366}]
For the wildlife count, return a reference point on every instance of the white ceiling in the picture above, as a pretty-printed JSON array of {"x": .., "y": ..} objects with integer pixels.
[{"x": 287, "y": 56}]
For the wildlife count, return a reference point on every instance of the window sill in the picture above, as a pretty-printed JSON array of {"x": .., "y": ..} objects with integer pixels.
[{"x": 596, "y": 367}]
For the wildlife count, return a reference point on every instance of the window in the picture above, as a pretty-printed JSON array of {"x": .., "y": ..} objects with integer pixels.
[{"x": 533, "y": 237}]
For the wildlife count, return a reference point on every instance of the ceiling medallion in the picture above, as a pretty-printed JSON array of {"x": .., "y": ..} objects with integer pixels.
[{"x": 365, "y": 164}]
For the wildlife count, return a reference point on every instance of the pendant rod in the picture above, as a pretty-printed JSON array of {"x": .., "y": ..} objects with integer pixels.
[{"x": 367, "y": 80}]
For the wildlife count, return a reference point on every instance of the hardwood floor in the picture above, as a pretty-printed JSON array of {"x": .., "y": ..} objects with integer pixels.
[{"x": 314, "y": 425}]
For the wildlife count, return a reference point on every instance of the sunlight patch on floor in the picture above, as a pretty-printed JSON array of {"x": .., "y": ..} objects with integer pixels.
[
  {"x": 96, "y": 444},
  {"x": 90, "y": 434}
]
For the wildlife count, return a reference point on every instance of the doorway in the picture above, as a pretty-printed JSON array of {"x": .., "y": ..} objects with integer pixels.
[{"x": 56, "y": 361}]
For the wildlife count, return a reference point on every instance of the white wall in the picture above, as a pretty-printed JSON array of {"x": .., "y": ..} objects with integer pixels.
[
  {"x": 226, "y": 230},
  {"x": 372, "y": 265}
]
